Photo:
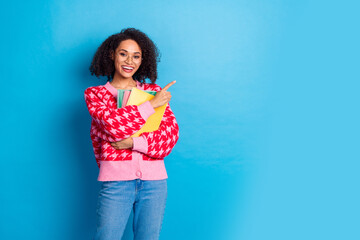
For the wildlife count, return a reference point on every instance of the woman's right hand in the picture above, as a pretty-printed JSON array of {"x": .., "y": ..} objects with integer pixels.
[{"x": 162, "y": 97}]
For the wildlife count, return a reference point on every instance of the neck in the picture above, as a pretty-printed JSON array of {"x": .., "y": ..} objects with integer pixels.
[{"x": 123, "y": 83}]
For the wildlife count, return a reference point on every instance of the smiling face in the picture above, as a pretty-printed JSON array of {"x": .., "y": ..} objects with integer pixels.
[{"x": 127, "y": 59}]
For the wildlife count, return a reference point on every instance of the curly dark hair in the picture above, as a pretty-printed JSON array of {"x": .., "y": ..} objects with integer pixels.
[{"x": 103, "y": 65}]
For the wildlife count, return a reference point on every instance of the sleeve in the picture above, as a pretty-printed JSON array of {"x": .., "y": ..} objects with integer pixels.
[
  {"x": 159, "y": 143},
  {"x": 115, "y": 124},
  {"x": 97, "y": 131}
]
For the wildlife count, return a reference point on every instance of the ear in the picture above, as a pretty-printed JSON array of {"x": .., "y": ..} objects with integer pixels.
[{"x": 112, "y": 55}]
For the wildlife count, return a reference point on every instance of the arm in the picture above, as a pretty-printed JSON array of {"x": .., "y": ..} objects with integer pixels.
[
  {"x": 119, "y": 123},
  {"x": 97, "y": 131},
  {"x": 96, "y": 144},
  {"x": 159, "y": 143}
]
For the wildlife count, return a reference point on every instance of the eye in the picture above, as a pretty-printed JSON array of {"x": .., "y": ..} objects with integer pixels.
[
  {"x": 136, "y": 57},
  {"x": 122, "y": 54}
]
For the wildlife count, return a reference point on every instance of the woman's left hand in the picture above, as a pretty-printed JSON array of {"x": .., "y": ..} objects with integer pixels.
[{"x": 123, "y": 144}]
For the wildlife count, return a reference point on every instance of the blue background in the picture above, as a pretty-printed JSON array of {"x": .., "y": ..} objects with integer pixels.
[{"x": 267, "y": 101}]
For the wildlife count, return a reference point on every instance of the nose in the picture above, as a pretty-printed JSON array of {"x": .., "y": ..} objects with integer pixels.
[{"x": 128, "y": 59}]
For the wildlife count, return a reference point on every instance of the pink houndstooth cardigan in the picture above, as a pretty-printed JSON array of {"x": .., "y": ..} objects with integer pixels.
[{"x": 110, "y": 124}]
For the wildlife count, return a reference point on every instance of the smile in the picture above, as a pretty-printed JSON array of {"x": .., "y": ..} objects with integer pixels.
[{"x": 127, "y": 68}]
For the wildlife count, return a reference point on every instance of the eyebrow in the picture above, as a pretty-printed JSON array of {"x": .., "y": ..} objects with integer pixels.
[{"x": 128, "y": 51}]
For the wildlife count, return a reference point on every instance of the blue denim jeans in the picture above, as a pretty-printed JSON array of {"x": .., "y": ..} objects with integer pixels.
[{"x": 116, "y": 200}]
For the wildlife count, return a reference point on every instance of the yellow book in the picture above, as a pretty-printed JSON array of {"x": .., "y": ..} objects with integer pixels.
[{"x": 138, "y": 97}]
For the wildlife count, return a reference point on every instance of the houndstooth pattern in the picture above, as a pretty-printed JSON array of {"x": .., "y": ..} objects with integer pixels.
[
  {"x": 162, "y": 141},
  {"x": 112, "y": 124}
]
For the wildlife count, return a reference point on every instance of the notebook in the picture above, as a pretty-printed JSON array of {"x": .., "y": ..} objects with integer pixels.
[
  {"x": 123, "y": 96},
  {"x": 138, "y": 97}
]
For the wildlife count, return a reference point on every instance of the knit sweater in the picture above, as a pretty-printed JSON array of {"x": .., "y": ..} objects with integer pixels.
[{"x": 112, "y": 124}]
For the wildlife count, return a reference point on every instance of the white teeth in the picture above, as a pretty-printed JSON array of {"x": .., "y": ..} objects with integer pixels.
[{"x": 128, "y": 68}]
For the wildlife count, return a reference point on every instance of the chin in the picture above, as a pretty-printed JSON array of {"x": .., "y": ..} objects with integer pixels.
[{"x": 127, "y": 75}]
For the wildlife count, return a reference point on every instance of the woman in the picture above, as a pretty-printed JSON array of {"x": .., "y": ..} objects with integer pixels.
[{"x": 132, "y": 169}]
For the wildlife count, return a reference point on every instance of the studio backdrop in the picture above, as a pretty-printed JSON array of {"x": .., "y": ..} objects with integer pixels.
[{"x": 256, "y": 159}]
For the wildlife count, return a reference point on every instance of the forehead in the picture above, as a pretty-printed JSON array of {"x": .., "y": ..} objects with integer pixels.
[{"x": 129, "y": 45}]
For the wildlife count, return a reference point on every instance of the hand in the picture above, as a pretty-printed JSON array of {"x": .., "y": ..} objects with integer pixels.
[
  {"x": 162, "y": 97},
  {"x": 123, "y": 144}
]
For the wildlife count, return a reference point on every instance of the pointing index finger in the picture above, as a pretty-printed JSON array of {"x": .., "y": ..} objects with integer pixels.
[{"x": 169, "y": 85}]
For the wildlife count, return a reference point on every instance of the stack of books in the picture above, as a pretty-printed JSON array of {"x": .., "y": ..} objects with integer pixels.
[{"x": 136, "y": 97}]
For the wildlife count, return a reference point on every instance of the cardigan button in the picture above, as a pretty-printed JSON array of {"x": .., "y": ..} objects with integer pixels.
[{"x": 138, "y": 173}]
